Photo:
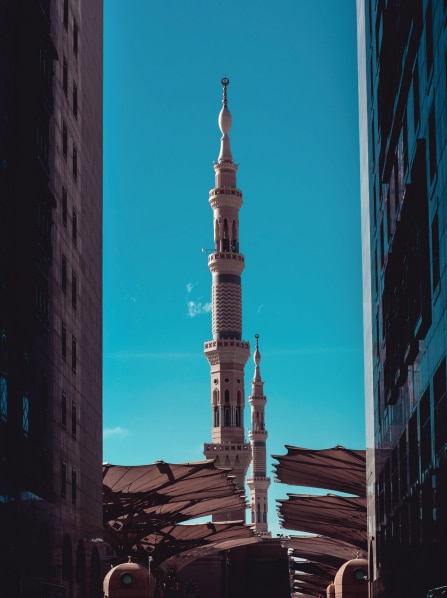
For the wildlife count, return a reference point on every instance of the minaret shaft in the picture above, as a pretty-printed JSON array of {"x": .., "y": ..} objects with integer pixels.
[
  {"x": 258, "y": 482},
  {"x": 227, "y": 354}
]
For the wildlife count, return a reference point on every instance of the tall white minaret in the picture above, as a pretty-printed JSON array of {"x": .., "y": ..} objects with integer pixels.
[
  {"x": 227, "y": 354},
  {"x": 258, "y": 482}
]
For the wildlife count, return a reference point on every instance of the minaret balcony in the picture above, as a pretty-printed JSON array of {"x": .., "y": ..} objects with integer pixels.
[
  {"x": 227, "y": 351},
  {"x": 257, "y": 433},
  {"x": 227, "y": 261},
  {"x": 225, "y": 196},
  {"x": 230, "y": 446}
]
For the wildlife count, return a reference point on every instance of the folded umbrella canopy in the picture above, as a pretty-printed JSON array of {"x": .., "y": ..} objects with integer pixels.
[
  {"x": 338, "y": 469},
  {"x": 143, "y": 505},
  {"x": 341, "y": 517}
]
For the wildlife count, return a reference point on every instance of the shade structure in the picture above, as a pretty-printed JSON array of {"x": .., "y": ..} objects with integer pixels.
[
  {"x": 323, "y": 549},
  {"x": 236, "y": 534},
  {"x": 309, "y": 575},
  {"x": 341, "y": 517},
  {"x": 313, "y": 568},
  {"x": 311, "y": 584},
  {"x": 195, "y": 540},
  {"x": 144, "y": 504},
  {"x": 338, "y": 469}
]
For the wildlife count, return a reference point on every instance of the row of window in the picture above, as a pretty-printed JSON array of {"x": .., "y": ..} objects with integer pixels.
[
  {"x": 74, "y": 415},
  {"x": 227, "y": 417},
  {"x": 216, "y": 396},
  {"x": 73, "y": 348},
  {"x": 74, "y": 221},
  {"x": 75, "y": 28},
  {"x": 74, "y": 281},
  {"x": 64, "y": 482},
  {"x": 74, "y": 93},
  {"x": 74, "y": 155},
  {"x": 419, "y": 447}
]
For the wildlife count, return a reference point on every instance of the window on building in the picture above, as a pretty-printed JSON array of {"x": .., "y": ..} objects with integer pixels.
[
  {"x": 64, "y": 411},
  {"x": 3, "y": 398},
  {"x": 65, "y": 75},
  {"x": 405, "y": 142},
  {"x": 74, "y": 290},
  {"x": 440, "y": 406},
  {"x": 436, "y": 271},
  {"x": 74, "y": 419},
  {"x": 75, "y": 163},
  {"x": 429, "y": 37},
  {"x": 64, "y": 140},
  {"x": 63, "y": 479},
  {"x": 64, "y": 206},
  {"x": 25, "y": 415},
  {"x": 432, "y": 142},
  {"x": 227, "y": 396},
  {"x": 75, "y": 37},
  {"x": 425, "y": 430},
  {"x": 64, "y": 274},
  {"x": 394, "y": 478},
  {"x": 403, "y": 473},
  {"x": 413, "y": 449},
  {"x": 64, "y": 341},
  {"x": 75, "y": 100},
  {"x": 73, "y": 354},
  {"x": 66, "y": 14},
  {"x": 75, "y": 226},
  {"x": 74, "y": 486},
  {"x": 416, "y": 103}
]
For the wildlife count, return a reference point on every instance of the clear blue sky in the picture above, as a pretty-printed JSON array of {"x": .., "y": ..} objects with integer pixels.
[{"x": 293, "y": 96}]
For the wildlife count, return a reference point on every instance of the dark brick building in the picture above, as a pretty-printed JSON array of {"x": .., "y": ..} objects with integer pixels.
[
  {"x": 403, "y": 133},
  {"x": 50, "y": 297}
]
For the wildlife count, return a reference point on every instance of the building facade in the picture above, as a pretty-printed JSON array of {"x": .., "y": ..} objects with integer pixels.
[
  {"x": 227, "y": 354},
  {"x": 50, "y": 297},
  {"x": 402, "y": 54}
]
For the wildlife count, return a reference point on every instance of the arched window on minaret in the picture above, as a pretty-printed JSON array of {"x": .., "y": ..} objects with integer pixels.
[
  {"x": 225, "y": 242},
  {"x": 216, "y": 234},
  {"x": 239, "y": 398},
  {"x": 227, "y": 417},
  {"x": 238, "y": 417},
  {"x": 215, "y": 397},
  {"x": 253, "y": 517},
  {"x": 216, "y": 417},
  {"x": 234, "y": 241},
  {"x": 227, "y": 395}
]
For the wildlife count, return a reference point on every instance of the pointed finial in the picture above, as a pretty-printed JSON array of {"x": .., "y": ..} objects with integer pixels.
[
  {"x": 257, "y": 354},
  {"x": 225, "y": 83},
  {"x": 225, "y": 125}
]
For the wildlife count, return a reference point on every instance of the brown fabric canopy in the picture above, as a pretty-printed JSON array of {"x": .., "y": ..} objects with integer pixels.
[
  {"x": 193, "y": 539},
  {"x": 322, "y": 549},
  {"x": 338, "y": 469},
  {"x": 341, "y": 517},
  {"x": 143, "y": 506}
]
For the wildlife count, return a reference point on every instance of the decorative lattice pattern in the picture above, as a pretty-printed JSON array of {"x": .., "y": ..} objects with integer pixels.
[{"x": 227, "y": 299}]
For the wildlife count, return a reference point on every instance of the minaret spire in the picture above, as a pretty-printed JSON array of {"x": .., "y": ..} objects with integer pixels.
[
  {"x": 225, "y": 123},
  {"x": 227, "y": 354},
  {"x": 258, "y": 482}
]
